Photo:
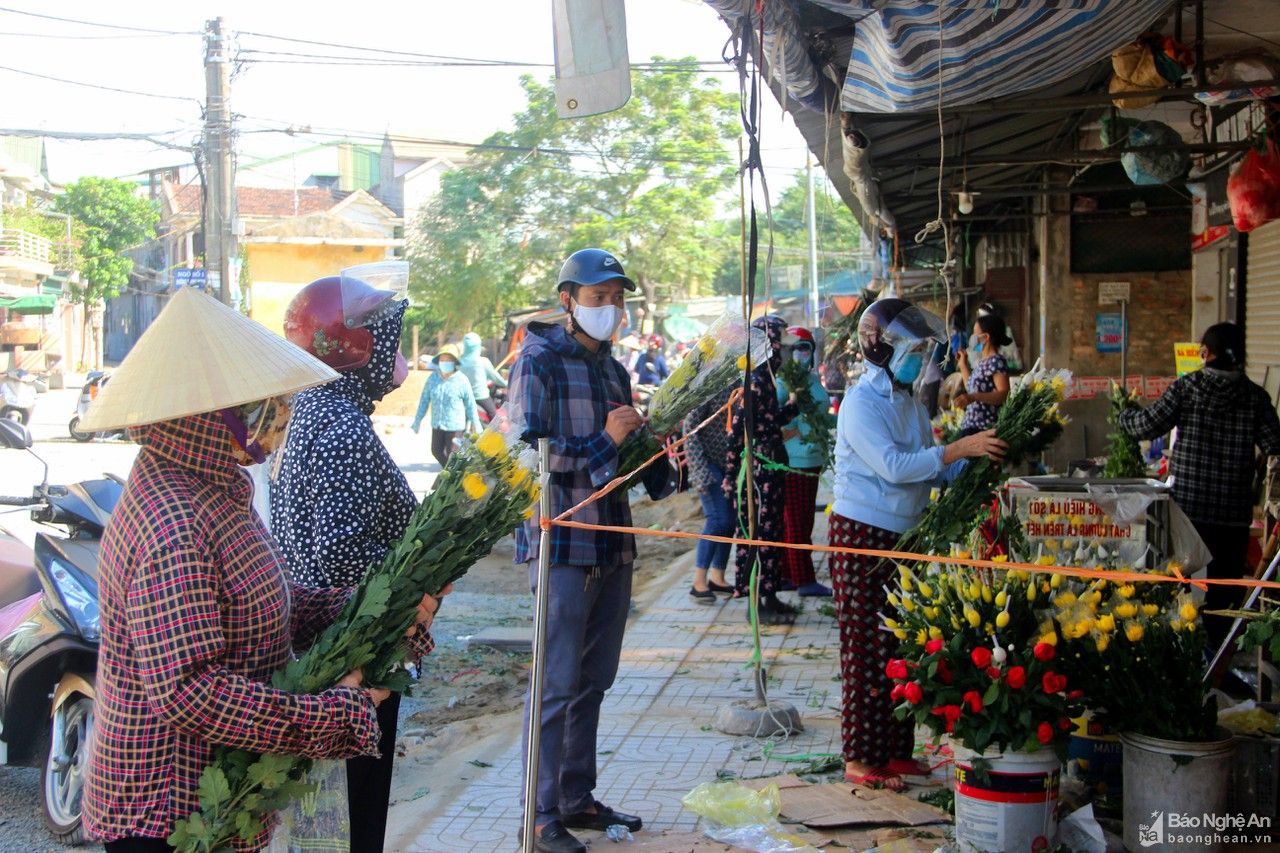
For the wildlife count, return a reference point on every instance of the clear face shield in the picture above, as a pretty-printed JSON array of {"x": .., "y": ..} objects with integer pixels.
[
  {"x": 362, "y": 306},
  {"x": 913, "y": 334}
]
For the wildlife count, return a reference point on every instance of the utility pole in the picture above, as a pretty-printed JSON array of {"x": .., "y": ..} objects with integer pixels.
[
  {"x": 813, "y": 242},
  {"x": 219, "y": 241}
]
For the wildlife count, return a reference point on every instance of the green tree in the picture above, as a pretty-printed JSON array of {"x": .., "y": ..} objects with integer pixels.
[
  {"x": 112, "y": 220},
  {"x": 641, "y": 181},
  {"x": 837, "y": 232}
]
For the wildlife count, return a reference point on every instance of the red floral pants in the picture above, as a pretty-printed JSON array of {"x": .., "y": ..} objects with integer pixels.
[
  {"x": 799, "y": 491},
  {"x": 869, "y": 731}
]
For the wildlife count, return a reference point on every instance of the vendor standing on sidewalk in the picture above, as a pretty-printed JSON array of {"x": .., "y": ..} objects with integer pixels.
[
  {"x": 340, "y": 502},
  {"x": 1221, "y": 416},
  {"x": 886, "y": 465},
  {"x": 567, "y": 387},
  {"x": 448, "y": 397}
]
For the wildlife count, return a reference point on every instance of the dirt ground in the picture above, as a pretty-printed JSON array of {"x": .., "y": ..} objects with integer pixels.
[
  {"x": 403, "y": 402},
  {"x": 467, "y": 704}
]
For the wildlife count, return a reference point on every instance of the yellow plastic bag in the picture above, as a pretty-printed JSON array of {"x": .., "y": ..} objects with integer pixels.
[{"x": 732, "y": 804}]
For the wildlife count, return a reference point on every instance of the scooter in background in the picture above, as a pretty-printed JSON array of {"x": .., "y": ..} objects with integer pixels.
[
  {"x": 94, "y": 383},
  {"x": 17, "y": 395},
  {"x": 49, "y": 637}
]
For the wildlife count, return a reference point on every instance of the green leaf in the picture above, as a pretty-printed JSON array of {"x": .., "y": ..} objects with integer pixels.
[
  {"x": 213, "y": 790},
  {"x": 375, "y": 594},
  {"x": 993, "y": 692}
]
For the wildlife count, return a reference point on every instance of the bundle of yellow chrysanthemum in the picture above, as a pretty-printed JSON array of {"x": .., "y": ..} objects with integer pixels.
[{"x": 483, "y": 493}]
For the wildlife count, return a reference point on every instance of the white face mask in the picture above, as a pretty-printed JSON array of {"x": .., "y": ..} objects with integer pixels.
[{"x": 599, "y": 323}]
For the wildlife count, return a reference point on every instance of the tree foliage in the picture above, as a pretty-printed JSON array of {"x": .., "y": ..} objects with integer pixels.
[
  {"x": 112, "y": 220},
  {"x": 641, "y": 181},
  {"x": 837, "y": 231}
]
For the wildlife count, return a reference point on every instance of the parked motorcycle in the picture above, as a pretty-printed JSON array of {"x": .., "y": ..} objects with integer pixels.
[
  {"x": 94, "y": 383},
  {"x": 17, "y": 395},
  {"x": 49, "y": 637}
]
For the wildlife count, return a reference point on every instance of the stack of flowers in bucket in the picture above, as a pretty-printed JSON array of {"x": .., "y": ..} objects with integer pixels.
[
  {"x": 974, "y": 667},
  {"x": 1139, "y": 651}
]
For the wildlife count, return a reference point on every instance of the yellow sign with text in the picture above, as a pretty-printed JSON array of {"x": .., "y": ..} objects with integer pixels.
[{"x": 1186, "y": 358}]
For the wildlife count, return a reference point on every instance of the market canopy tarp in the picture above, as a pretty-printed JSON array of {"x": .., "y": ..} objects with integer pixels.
[{"x": 34, "y": 304}]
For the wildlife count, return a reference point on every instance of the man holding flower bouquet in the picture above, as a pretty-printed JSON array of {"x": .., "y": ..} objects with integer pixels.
[
  {"x": 567, "y": 387},
  {"x": 886, "y": 465}
]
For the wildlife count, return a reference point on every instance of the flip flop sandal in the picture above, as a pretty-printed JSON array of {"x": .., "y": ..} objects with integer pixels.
[
  {"x": 907, "y": 767},
  {"x": 880, "y": 777}
]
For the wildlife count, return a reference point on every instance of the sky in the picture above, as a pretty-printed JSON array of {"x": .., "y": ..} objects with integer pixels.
[{"x": 458, "y": 104}]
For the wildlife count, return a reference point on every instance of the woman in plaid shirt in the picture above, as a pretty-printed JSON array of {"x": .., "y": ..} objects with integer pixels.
[
  {"x": 1221, "y": 416},
  {"x": 196, "y": 611}
]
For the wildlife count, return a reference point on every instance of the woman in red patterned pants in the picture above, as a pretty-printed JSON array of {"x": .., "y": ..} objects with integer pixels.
[{"x": 886, "y": 465}]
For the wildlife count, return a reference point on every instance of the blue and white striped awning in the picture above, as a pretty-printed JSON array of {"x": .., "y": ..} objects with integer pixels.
[{"x": 989, "y": 48}]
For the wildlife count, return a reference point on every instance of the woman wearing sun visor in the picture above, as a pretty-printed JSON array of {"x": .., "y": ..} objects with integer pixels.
[{"x": 886, "y": 465}]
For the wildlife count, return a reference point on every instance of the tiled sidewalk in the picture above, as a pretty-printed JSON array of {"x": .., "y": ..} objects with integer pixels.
[{"x": 680, "y": 663}]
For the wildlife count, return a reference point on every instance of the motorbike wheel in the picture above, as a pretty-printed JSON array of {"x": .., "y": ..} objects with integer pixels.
[
  {"x": 65, "y": 764},
  {"x": 76, "y": 433},
  {"x": 15, "y": 414}
]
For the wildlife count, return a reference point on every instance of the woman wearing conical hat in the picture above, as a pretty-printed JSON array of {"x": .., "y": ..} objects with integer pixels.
[{"x": 196, "y": 611}]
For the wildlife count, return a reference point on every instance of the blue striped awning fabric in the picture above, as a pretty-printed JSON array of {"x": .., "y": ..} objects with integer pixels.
[{"x": 989, "y": 48}]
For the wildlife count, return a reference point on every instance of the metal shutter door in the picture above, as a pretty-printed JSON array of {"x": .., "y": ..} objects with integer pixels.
[{"x": 1262, "y": 305}]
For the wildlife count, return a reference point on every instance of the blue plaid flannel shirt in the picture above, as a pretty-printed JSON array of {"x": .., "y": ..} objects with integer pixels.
[{"x": 563, "y": 391}]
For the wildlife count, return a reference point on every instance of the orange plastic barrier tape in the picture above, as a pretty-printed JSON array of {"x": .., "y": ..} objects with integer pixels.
[{"x": 1113, "y": 575}]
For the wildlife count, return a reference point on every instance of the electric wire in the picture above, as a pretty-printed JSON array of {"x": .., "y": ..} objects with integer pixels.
[
  {"x": 99, "y": 23},
  {"x": 99, "y": 86}
]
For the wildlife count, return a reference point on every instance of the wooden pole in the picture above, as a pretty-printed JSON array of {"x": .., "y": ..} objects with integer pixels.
[{"x": 417, "y": 330}]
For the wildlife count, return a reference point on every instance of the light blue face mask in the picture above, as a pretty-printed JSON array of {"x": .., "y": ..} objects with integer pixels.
[
  {"x": 447, "y": 367},
  {"x": 906, "y": 370}
]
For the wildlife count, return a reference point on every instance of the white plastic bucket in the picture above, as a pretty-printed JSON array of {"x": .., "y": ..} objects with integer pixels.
[{"x": 1009, "y": 809}]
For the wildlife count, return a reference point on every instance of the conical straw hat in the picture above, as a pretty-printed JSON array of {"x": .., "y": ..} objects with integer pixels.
[{"x": 200, "y": 356}]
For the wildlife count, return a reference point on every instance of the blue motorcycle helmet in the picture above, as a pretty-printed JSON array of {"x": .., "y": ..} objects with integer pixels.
[{"x": 592, "y": 266}]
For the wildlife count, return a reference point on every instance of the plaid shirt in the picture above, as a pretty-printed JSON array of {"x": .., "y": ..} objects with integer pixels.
[
  {"x": 1220, "y": 418},
  {"x": 196, "y": 615},
  {"x": 564, "y": 391}
]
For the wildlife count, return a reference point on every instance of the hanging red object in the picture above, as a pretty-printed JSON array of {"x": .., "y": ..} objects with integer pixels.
[{"x": 1253, "y": 190}]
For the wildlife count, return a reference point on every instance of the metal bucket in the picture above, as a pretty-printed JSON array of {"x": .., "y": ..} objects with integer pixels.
[{"x": 1168, "y": 786}]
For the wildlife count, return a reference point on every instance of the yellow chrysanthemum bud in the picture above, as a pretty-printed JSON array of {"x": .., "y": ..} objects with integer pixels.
[
  {"x": 891, "y": 623},
  {"x": 1188, "y": 612},
  {"x": 1002, "y": 598},
  {"x": 973, "y": 592},
  {"x": 1150, "y": 610},
  {"x": 955, "y": 623},
  {"x": 972, "y": 617},
  {"x": 1106, "y": 623},
  {"x": 986, "y": 593},
  {"x": 900, "y": 634},
  {"x": 921, "y": 637},
  {"x": 1102, "y": 642},
  {"x": 1044, "y": 560},
  {"x": 1002, "y": 619},
  {"x": 1031, "y": 591},
  {"x": 1126, "y": 590},
  {"x": 474, "y": 486},
  {"x": 1133, "y": 631},
  {"x": 1064, "y": 599},
  {"x": 925, "y": 589},
  {"x": 491, "y": 444},
  {"x": 893, "y": 599},
  {"x": 1127, "y": 610},
  {"x": 935, "y": 633},
  {"x": 1055, "y": 580},
  {"x": 931, "y": 613},
  {"x": 908, "y": 605}
]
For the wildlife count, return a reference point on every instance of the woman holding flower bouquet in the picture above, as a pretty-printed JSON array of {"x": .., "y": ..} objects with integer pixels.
[{"x": 886, "y": 465}]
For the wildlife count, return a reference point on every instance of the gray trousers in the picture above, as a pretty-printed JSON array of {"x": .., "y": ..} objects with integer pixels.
[{"x": 586, "y": 617}]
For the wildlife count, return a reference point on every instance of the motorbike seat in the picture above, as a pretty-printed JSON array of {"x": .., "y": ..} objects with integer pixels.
[{"x": 18, "y": 578}]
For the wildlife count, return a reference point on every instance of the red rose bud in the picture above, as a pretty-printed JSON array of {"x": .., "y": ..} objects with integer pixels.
[
  {"x": 896, "y": 668},
  {"x": 913, "y": 693},
  {"x": 981, "y": 657},
  {"x": 898, "y": 691},
  {"x": 974, "y": 701},
  {"x": 933, "y": 646},
  {"x": 1044, "y": 652},
  {"x": 1064, "y": 724},
  {"x": 993, "y": 673},
  {"x": 1044, "y": 733},
  {"x": 1017, "y": 677},
  {"x": 1053, "y": 683},
  {"x": 944, "y": 671},
  {"x": 1076, "y": 694}
]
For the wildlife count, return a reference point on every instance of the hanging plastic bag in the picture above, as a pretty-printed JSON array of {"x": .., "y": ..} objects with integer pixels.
[
  {"x": 1134, "y": 69},
  {"x": 1253, "y": 190},
  {"x": 1147, "y": 168}
]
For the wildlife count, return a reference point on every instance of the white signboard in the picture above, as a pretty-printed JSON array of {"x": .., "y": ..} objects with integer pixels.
[{"x": 1111, "y": 292}]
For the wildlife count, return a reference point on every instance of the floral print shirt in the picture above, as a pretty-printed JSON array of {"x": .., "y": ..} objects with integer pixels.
[{"x": 982, "y": 380}]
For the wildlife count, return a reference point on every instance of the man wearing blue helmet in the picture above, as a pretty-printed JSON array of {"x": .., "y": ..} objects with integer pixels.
[{"x": 567, "y": 387}]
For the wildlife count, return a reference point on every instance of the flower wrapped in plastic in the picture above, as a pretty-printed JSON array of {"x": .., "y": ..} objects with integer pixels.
[
  {"x": 714, "y": 363},
  {"x": 490, "y": 485},
  {"x": 1028, "y": 421}
]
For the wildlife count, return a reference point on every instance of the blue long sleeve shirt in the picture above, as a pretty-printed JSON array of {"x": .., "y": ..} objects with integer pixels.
[
  {"x": 450, "y": 402},
  {"x": 800, "y": 452},
  {"x": 886, "y": 461}
]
